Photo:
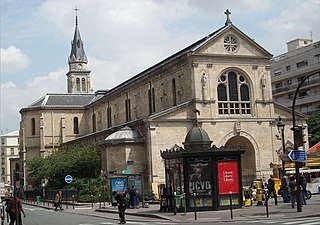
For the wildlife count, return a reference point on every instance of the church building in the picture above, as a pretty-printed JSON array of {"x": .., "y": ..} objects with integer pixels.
[{"x": 221, "y": 83}]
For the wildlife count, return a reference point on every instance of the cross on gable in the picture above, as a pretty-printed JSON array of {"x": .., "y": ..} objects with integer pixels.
[
  {"x": 76, "y": 9},
  {"x": 228, "y": 21}
]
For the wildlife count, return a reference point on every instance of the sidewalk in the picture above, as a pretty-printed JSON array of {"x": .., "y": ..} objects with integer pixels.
[{"x": 282, "y": 210}]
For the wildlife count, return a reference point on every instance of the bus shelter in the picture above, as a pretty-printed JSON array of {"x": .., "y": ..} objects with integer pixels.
[{"x": 202, "y": 176}]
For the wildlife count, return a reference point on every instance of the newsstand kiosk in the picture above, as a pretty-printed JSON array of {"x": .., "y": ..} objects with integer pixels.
[{"x": 209, "y": 178}]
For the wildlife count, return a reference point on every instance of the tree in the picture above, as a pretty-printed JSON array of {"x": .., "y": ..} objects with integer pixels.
[
  {"x": 80, "y": 161},
  {"x": 314, "y": 127}
]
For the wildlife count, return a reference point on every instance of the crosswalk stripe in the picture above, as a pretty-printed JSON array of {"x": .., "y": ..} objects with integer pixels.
[{"x": 304, "y": 221}]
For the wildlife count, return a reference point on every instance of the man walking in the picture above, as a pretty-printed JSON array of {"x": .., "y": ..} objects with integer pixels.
[
  {"x": 58, "y": 200},
  {"x": 272, "y": 190},
  {"x": 122, "y": 204}
]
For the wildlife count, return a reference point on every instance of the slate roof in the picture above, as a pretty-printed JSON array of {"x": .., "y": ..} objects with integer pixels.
[{"x": 64, "y": 100}]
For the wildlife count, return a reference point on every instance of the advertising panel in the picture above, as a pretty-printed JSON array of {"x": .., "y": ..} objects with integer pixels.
[
  {"x": 228, "y": 177},
  {"x": 118, "y": 185}
]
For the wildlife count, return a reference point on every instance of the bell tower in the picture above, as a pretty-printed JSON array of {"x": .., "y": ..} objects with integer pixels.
[{"x": 78, "y": 75}]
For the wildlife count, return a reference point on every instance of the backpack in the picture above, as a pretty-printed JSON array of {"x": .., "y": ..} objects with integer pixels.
[{"x": 10, "y": 206}]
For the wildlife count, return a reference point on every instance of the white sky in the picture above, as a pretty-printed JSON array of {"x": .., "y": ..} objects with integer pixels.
[{"x": 123, "y": 38}]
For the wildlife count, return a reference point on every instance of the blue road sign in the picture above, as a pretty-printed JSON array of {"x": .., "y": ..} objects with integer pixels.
[
  {"x": 68, "y": 179},
  {"x": 297, "y": 155}
]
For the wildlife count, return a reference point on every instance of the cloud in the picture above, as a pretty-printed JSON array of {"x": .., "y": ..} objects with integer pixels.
[
  {"x": 296, "y": 21},
  {"x": 13, "y": 60},
  {"x": 17, "y": 97}
]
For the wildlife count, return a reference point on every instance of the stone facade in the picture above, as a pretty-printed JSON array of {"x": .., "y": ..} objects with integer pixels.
[{"x": 221, "y": 83}]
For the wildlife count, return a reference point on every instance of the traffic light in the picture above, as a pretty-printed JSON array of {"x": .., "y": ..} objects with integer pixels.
[{"x": 298, "y": 136}]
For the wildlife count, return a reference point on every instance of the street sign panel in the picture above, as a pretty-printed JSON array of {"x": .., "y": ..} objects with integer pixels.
[
  {"x": 297, "y": 155},
  {"x": 68, "y": 179},
  {"x": 126, "y": 171}
]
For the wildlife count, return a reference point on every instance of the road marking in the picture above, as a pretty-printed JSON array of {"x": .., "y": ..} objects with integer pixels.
[{"x": 304, "y": 221}]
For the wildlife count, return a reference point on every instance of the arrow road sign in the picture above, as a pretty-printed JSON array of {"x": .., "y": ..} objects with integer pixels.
[
  {"x": 297, "y": 155},
  {"x": 68, "y": 179}
]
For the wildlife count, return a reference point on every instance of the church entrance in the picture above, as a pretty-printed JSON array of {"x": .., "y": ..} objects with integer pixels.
[{"x": 248, "y": 159}]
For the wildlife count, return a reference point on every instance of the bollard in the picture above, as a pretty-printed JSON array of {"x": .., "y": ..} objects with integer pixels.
[
  {"x": 267, "y": 206},
  {"x": 99, "y": 201},
  {"x": 230, "y": 200},
  {"x": 174, "y": 203},
  {"x": 195, "y": 206},
  {"x": 92, "y": 201},
  {"x": 72, "y": 201}
]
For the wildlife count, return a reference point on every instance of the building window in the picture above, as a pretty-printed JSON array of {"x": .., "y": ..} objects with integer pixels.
[
  {"x": 174, "y": 92},
  {"x": 33, "y": 126},
  {"x": 151, "y": 100},
  {"x": 277, "y": 72},
  {"x": 303, "y": 94},
  {"x": 2, "y": 141},
  {"x": 12, "y": 151},
  {"x": 230, "y": 43},
  {"x": 109, "y": 116},
  {"x": 233, "y": 94},
  {"x": 289, "y": 82},
  {"x": 128, "y": 109},
  {"x": 288, "y": 68},
  {"x": 302, "y": 64},
  {"x": 2, "y": 151},
  {"x": 317, "y": 58},
  {"x": 279, "y": 85},
  {"x": 75, "y": 125},
  {"x": 78, "y": 84},
  {"x": 305, "y": 108},
  {"x": 83, "y": 84},
  {"x": 94, "y": 123},
  {"x": 290, "y": 96}
]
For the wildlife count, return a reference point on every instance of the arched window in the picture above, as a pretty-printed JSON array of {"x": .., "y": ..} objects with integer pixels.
[
  {"x": 78, "y": 84},
  {"x": 33, "y": 126},
  {"x": 75, "y": 125},
  {"x": 174, "y": 92},
  {"x": 83, "y": 83},
  {"x": 233, "y": 94}
]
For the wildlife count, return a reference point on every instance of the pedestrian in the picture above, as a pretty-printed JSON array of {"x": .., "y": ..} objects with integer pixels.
[
  {"x": 122, "y": 204},
  {"x": 14, "y": 209},
  {"x": 163, "y": 198},
  {"x": 292, "y": 190},
  {"x": 272, "y": 190},
  {"x": 303, "y": 192},
  {"x": 285, "y": 189},
  {"x": 58, "y": 201},
  {"x": 133, "y": 198}
]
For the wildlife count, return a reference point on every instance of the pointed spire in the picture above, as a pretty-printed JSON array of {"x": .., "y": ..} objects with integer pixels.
[{"x": 77, "y": 51}]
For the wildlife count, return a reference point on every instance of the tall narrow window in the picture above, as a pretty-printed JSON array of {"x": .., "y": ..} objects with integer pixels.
[
  {"x": 109, "y": 116},
  {"x": 94, "y": 122},
  {"x": 153, "y": 101},
  {"x": 78, "y": 84},
  {"x": 233, "y": 94},
  {"x": 174, "y": 92},
  {"x": 128, "y": 110},
  {"x": 83, "y": 83},
  {"x": 33, "y": 126},
  {"x": 75, "y": 125}
]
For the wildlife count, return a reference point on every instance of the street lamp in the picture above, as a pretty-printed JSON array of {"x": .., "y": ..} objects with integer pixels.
[{"x": 281, "y": 126}]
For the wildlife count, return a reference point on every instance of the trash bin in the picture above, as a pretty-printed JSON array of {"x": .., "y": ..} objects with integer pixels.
[{"x": 38, "y": 199}]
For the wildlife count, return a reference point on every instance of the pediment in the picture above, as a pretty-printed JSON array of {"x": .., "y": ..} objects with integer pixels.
[{"x": 232, "y": 42}]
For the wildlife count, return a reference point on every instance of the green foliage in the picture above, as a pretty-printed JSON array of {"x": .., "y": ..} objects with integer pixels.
[
  {"x": 314, "y": 127},
  {"x": 80, "y": 161}
]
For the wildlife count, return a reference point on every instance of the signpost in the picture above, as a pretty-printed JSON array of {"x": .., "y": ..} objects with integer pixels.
[
  {"x": 68, "y": 179},
  {"x": 297, "y": 155}
]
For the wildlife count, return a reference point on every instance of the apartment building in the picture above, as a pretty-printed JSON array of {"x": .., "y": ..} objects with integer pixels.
[
  {"x": 9, "y": 153},
  {"x": 289, "y": 69}
]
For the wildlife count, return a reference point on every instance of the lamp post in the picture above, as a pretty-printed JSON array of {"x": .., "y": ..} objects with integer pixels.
[{"x": 281, "y": 126}]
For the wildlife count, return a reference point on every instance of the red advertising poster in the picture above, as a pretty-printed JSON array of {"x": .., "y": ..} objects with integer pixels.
[{"x": 228, "y": 177}]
